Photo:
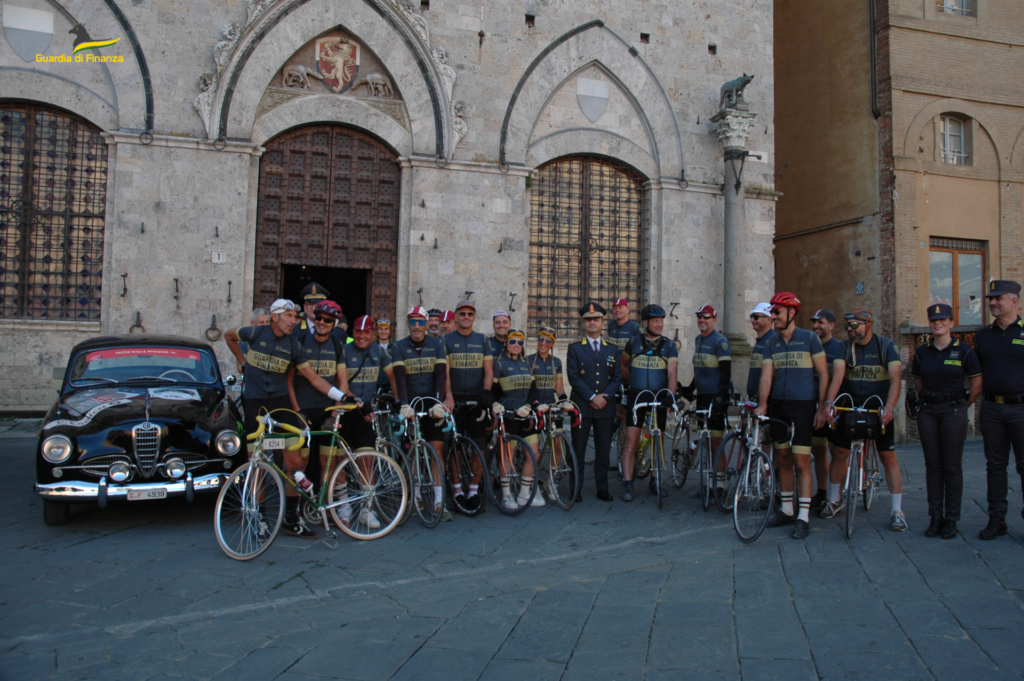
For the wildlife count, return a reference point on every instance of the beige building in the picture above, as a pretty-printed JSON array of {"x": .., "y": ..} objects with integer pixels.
[
  {"x": 209, "y": 157},
  {"x": 901, "y": 153}
]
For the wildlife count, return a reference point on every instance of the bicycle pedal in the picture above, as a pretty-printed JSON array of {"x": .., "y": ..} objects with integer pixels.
[{"x": 331, "y": 540}]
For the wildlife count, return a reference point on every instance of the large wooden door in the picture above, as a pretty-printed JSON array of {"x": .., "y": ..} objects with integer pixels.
[{"x": 328, "y": 198}]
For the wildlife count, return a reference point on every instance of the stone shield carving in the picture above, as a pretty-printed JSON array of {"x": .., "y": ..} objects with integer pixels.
[
  {"x": 592, "y": 96},
  {"x": 337, "y": 60},
  {"x": 28, "y": 31}
]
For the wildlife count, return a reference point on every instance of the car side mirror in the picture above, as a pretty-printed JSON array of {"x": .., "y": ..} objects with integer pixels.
[{"x": 230, "y": 380}]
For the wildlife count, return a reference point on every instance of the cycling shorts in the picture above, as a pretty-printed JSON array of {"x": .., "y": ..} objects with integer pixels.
[
  {"x": 799, "y": 417},
  {"x": 823, "y": 436},
  {"x": 430, "y": 431},
  {"x": 523, "y": 429},
  {"x": 716, "y": 424},
  {"x": 466, "y": 419},
  {"x": 318, "y": 419},
  {"x": 357, "y": 431},
  {"x": 884, "y": 442},
  {"x": 638, "y": 420}
]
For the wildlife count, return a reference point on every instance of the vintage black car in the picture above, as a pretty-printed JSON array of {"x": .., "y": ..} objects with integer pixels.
[{"x": 139, "y": 417}]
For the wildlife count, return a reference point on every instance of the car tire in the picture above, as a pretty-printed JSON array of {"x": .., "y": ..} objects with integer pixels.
[{"x": 56, "y": 513}]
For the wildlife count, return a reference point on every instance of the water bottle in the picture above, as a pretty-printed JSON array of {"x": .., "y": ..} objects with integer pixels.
[{"x": 303, "y": 482}]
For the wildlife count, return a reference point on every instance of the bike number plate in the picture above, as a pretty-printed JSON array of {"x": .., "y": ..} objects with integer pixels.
[
  {"x": 144, "y": 494},
  {"x": 273, "y": 443}
]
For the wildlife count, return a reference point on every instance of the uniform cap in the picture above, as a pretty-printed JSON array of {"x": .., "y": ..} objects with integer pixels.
[
  {"x": 824, "y": 314},
  {"x": 939, "y": 311},
  {"x": 364, "y": 323},
  {"x": 592, "y": 310},
  {"x": 418, "y": 311},
  {"x": 620, "y": 301},
  {"x": 998, "y": 287},
  {"x": 707, "y": 309},
  {"x": 466, "y": 303},
  {"x": 314, "y": 291},
  {"x": 448, "y": 316},
  {"x": 501, "y": 313},
  {"x": 281, "y": 305},
  {"x": 763, "y": 309}
]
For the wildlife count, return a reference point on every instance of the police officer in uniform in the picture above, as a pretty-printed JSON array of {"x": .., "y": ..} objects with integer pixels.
[
  {"x": 595, "y": 374},
  {"x": 939, "y": 370},
  {"x": 311, "y": 295},
  {"x": 1000, "y": 349}
]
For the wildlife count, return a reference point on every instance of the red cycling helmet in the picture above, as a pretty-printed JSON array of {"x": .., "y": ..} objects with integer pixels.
[
  {"x": 364, "y": 323},
  {"x": 327, "y": 307},
  {"x": 785, "y": 299}
]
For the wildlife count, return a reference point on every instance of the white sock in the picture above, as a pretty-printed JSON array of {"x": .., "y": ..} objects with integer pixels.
[
  {"x": 833, "y": 491},
  {"x": 473, "y": 489},
  {"x": 804, "y": 513},
  {"x": 787, "y": 503},
  {"x": 437, "y": 494},
  {"x": 720, "y": 477},
  {"x": 457, "y": 489},
  {"x": 897, "y": 501},
  {"x": 524, "y": 489}
]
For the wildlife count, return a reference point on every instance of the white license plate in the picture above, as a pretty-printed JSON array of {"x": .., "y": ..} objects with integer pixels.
[
  {"x": 273, "y": 443},
  {"x": 137, "y": 495}
]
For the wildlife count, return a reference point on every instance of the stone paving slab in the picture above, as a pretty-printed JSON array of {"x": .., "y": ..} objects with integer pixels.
[{"x": 603, "y": 591}]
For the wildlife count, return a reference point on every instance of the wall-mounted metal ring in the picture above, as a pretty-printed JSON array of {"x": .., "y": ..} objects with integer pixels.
[
  {"x": 146, "y": 138},
  {"x": 213, "y": 333},
  {"x": 221, "y": 141},
  {"x": 503, "y": 167},
  {"x": 441, "y": 162}
]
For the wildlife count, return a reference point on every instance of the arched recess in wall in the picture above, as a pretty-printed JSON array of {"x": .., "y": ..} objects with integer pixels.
[
  {"x": 1017, "y": 157},
  {"x": 954, "y": 106},
  {"x": 265, "y": 46},
  {"x": 592, "y": 43}
]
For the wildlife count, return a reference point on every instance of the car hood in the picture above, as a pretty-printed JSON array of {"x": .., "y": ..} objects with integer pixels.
[{"x": 94, "y": 409}]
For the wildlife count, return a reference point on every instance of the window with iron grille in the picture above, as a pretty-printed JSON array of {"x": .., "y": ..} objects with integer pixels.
[
  {"x": 587, "y": 223},
  {"x": 53, "y": 196}
]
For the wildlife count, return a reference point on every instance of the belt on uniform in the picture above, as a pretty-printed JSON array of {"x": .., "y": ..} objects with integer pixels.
[
  {"x": 1004, "y": 399},
  {"x": 940, "y": 398}
]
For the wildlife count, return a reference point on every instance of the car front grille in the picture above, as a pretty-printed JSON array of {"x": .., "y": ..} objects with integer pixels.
[
  {"x": 100, "y": 465},
  {"x": 193, "y": 461},
  {"x": 146, "y": 438}
]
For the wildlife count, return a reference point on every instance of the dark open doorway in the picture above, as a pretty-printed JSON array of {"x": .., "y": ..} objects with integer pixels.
[{"x": 348, "y": 287}]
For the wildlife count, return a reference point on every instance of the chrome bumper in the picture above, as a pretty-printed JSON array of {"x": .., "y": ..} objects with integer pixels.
[{"x": 76, "y": 490}]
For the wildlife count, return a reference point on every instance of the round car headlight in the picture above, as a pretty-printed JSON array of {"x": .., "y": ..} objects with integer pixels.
[
  {"x": 228, "y": 443},
  {"x": 119, "y": 471},
  {"x": 57, "y": 449},
  {"x": 175, "y": 468}
]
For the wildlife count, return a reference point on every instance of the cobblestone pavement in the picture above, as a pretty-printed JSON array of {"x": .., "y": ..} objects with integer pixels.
[{"x": 604, "y": 591}]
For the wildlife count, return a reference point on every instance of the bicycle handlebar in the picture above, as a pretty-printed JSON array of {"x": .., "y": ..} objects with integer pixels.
[{"x": 267, "y": 421}]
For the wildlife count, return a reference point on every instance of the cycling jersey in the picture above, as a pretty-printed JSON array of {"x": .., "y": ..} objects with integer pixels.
[
  {"x": 267, "y": 361},
  {"x": 620, "y": 336},
  {"x": 545, "y": 372},
  {"x": 707, "y": 353},
  {"x": 793, "y": 365},
  {"x": 323, "y": 357},
  {"x": 497, "y": 346},
  {"x": 833, "y": 351},
  {"x": 364, "y": 367},
  {"x": 648, "y": 363},
  {"x": 513, "y": 382},
  {"x": 756, "y": 355},
  {"x": 419, "y": 364},
  {"x": 382, "y": 378},
  {"x": 867, "y": 368},
  {"x": 466, "y": 356}
]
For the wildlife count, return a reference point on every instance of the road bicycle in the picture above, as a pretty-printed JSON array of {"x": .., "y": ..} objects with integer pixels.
[
  {"x": 862, "y": 424},
  {"x": 512, "y": 457},
  {"x": 424, "y": 463},
  {"x": 364, "y": 494},
  {"x": 695, "y": 453},
  {"x": 559, "y": 467},
  {"x": 651, "y": 441},
  {"x": 463, "y": 464},
  {"x": 388, "y": 428},
  {"x": 730, "y": 458},
  {"x": 753, "y": 496}
]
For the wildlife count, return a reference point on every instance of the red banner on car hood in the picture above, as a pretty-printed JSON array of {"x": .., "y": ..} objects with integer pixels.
[{"x": 114, "y": 353}]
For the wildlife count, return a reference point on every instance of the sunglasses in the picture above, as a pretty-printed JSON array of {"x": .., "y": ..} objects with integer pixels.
[
  {"x": 467, "y": 314},
  {"x": 776, "y": 311},
  {"x": 516, "y": 342},
  {"x": 326, "y": 320},
  {"x": 544, "y": 340},
  {"x": 417, "y": 322},
  {"x": 756, "y": 317},
  {"x": 853, "y": 325},
  {"x": 705, "y": 316}
]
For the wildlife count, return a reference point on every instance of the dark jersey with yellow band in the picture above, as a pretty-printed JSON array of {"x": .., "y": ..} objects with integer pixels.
[
  {"x": 648, "y": 363},
  {"x": 267, "y": 361},
  {"x": 364, "y": 368},
  {"x": 944, "y": 371},
  {"x": 1001, "y": 353},
  {"x": 621, "y": 336},
  {"x": 833, "y": 351},
  {"x": 513, "y": 383},
  {"x": 497, "y": 346},
  {"x": 323, "y": 358},
  {"x": 867, "y": 368},
  {"x": 756, "y": 355},
  {"x": 793, "y": 365},
  {"x": 707, "y": 353},
  {"x": 419, "y": 363},
  {"x": 466, "y": 355},
  {"x": 545, "y": 372}
]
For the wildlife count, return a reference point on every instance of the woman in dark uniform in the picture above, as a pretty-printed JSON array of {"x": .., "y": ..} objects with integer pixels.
[
  {"x": 515, "y": 390},
  {"x": 940, "y": 368}
]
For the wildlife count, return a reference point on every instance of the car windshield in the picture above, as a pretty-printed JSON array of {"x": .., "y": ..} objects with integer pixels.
[{"x": 139, "y": 364}]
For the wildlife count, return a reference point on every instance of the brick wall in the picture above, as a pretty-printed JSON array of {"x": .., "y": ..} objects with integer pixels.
[{"x": 886, "y": 324}]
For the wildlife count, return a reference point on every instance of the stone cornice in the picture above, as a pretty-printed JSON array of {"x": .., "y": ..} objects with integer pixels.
[{"x": 175, "y": 142}]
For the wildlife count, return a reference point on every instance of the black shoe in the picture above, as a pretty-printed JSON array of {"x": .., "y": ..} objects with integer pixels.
[
  {"x": 472, "y": 503},
  {"x": 298, "y": 529},
  {"x": 627, "y": 493},
  {"x": 654, "y": 489},
  {"x": 800, "y": 530},
  {"x": 605, "y": 495},
  {"x": 996, "y": 528},
  {"x": 778, "y": 519},
  {"x": 949, "y": 529},
  {"x": 579, "y": 497},
  {"x": 934, "y": 528},
  {"x": 819, "y": 499}
]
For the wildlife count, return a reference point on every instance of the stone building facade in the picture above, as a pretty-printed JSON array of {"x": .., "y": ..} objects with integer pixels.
[
  {"x": 902, "y": 158},
  {"x": 397, "y": 152}
]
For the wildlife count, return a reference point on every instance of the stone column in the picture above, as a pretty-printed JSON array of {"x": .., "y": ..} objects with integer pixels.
[{"x": 733, "y": 127}]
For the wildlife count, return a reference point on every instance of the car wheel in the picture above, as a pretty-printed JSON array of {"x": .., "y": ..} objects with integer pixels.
[{"x": 55, "y": 513}]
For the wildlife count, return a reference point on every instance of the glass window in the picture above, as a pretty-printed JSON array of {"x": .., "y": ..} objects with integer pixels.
[
  {"x": 952, "y": 140},
  {"x": 962, "y": 8},
  {"x": 146, "y": 364},
  {"x": 970, "y": 287},
  {"x": 941, "y": 277},
  {"x": 956, "y": 277}
]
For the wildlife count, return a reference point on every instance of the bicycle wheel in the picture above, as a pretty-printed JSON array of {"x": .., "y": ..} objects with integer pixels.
[
  {"x": 425, "y": 471},
  {"x": 754, "y": 496},
  {"x": 620, "y": 446},
  {"x": 510, "y": 463},
  {"x": 706, "y": 471},
  {"x": 683, "y": 457},
  {"x": 367, "y": 495},
  {"x": 728, "y": 467},
  {"x": 853, "y": 483},
  {"x": 462, "y": 457},
  {"x": 658, "y": 457},
  {"x": 675, "y": 426},
  {"x": 642, "y": 461},
  {"x": 870, "y": 475},
  {"x": 392, "y": 450},
  {"x": 560, "y": 466},
  {"x": 249, "y": 511}
]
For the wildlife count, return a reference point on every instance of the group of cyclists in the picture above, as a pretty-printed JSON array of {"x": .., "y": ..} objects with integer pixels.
[{"x": 308, "y": 363}]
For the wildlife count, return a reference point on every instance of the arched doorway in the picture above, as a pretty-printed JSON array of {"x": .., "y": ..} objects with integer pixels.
[
  {"x": 587, "y": 220},
  {"x": 328, "y": 212}
]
